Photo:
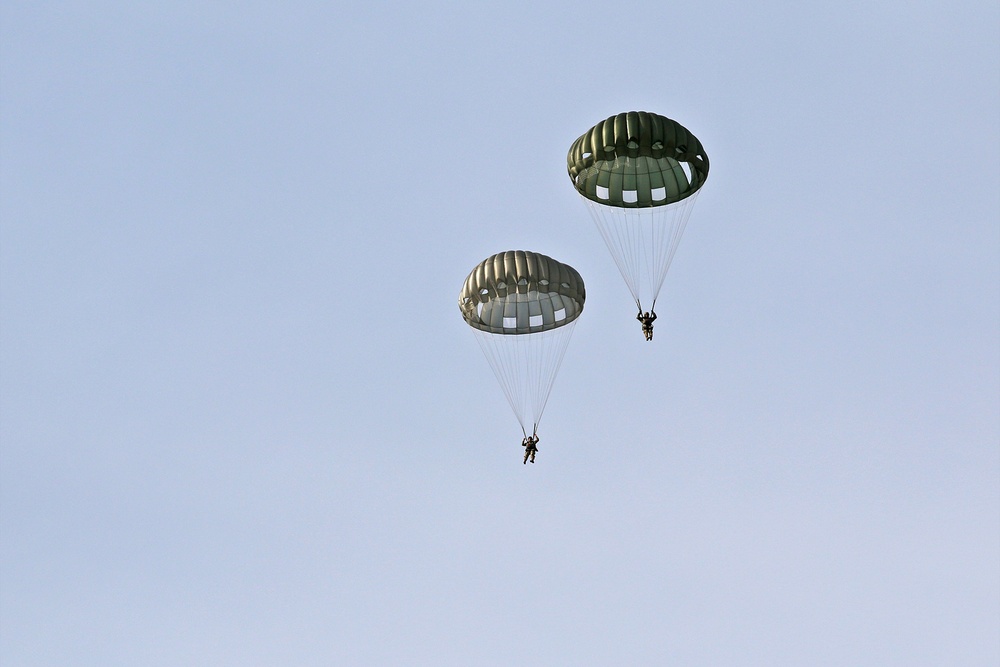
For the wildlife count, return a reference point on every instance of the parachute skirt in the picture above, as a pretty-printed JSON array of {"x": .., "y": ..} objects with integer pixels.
[
  {"x": 642, "y": 242},
  {"x": 526, "y": 367}
]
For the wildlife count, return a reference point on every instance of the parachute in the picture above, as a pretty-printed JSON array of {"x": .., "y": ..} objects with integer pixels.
[
  {"x": 522, "y": 307},
  {"x": 639, "y": 174}
]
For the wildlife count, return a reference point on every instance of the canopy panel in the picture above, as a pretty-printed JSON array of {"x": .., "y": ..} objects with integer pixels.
[
  {"x": 637, "y": 160},
  {"x": 521, "y": 292}
]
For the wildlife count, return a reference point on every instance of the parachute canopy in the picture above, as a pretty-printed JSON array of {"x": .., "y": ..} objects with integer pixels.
[
  {"x": 637, "y": 160},
  {"x": 521, "y": 292},
  {"x": 639, "y": 174}
]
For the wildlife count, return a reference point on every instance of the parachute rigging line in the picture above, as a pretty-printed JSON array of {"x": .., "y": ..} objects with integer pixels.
[
  {"x": 526, "y": 367},
  {"x": 642, "y": 241}
]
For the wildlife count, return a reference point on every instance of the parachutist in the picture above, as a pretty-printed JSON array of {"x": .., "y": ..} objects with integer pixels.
[
  {"x": 530, "y": 448},
  {"x": 647, "y": 319},
  {"x": 639, "y": 174}
]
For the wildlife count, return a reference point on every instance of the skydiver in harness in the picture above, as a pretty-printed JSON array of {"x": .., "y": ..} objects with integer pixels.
[
  {"x": 530, "y": 447},
  {"x": 646, "y": 319}
]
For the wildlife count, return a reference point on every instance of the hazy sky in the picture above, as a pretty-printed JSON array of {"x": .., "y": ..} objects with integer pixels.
[{"x": 244, "y": 423}]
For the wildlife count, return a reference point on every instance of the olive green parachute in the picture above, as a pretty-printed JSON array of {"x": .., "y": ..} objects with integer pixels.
[
  {"x": 519, "y": 292},
  {"x": 522, "y": 307},
  {"x": 637, "y": 160},
  {"x": 639, "y": 174}
]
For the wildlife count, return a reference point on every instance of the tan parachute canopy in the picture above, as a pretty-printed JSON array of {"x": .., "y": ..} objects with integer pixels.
[
  {"x": 521, "y": 292},
  {"x": 637, "y": 160}
]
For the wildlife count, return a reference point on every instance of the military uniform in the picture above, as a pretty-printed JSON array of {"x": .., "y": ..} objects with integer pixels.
[
  {"x": 647, "y": 323},
  {"x": 530, "y": 448}
]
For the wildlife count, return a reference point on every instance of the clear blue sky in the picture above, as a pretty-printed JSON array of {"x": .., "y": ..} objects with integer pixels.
[{"x": 243, "y": 422}]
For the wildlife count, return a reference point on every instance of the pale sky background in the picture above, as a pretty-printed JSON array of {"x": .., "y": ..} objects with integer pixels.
[{"x": 243, "y": 422}]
